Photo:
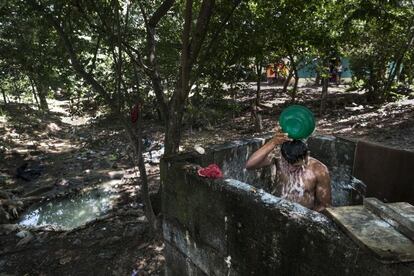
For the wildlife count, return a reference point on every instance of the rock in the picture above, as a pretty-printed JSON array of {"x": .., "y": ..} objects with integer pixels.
[
  {"x": 199, "y": 149},
  {"x": 6, "y": 229},
  {"x": 106, "y": 255},
  {"x": 110, "y": 240},
  {"x": 351, "y": 108},
  {"x": 22, "y": 234},
  {"x": 62, "y": 183},
  {"x": 28, "y": 238},
  {"x": 103, "y": 163},
  {"x": 53, "y": 128},
  {"x": 132, "y": 212},
  {"x": 142, "y": 219},
  {"x": 77, "y": 242},
  {"x": 2, "y": 264},
  {"x": 129, "y": 233},
  {"x": 65, "y": 260},
  {"x": 99, "y": 235},
  {"x": 31, "y": 146},
  {"x": 116, "y": 174}
]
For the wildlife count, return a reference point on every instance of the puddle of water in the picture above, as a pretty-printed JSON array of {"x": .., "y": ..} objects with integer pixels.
[{"x": 72, "y": 212}]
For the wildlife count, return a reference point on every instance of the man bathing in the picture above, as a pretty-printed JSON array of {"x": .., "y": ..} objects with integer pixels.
[{"x": 299, "y": 177}]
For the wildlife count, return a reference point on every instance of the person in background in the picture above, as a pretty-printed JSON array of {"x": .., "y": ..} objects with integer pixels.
[
  {"x": 338, "y": 72},
  {"x": 270, "y": 74},
  {"x": 299, "y": 177}
]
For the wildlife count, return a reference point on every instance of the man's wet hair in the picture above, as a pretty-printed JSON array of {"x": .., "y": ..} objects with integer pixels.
[{"x": 294, "y": 150}]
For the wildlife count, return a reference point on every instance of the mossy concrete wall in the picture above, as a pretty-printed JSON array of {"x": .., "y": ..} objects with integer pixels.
[
  {"x": 227, "y": 227},
  {"x": 336, "y": 153}
]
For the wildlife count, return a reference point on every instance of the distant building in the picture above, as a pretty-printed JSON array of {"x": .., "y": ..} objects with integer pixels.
[{"x": 309, "y": 70}]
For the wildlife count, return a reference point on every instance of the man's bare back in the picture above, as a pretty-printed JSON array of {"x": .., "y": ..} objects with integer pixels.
[
  {"x": 301, "y": 179},
  {"x": 308, "y": 185}
]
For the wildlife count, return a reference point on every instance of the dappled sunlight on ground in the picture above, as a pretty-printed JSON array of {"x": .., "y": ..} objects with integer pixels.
[
  {"x": 347, "y": 115},
  {"x": 66, "y": 160},
  {"x": 66, "y": 155}
]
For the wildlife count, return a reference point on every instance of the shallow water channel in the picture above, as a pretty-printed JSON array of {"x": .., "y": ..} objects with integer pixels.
[{"x": 73, "y": 211}]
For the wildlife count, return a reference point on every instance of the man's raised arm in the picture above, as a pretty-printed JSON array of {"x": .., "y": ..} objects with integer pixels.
[{"x": 260, "y": 158}]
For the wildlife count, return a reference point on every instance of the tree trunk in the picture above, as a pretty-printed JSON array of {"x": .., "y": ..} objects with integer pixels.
[
  {"x": 192, "y": 41},
  {"x": 259, "y": 78},
  {"x": 136, "y": 142},
  {"x": 135, "y": 139},
  {"x": 372, "y": 94},
  {"x": 399, "y": 61},
  {"x": 16, "y": 92},
  {"x": 4, "y": 95},
  {"x": 287, "y": 80},
  {"x": 393, "y": 74},
  {"x": 173, "y": 129},
  {"x": 176, "y": 109},
  {"x": 34, "y": 92},
  {"x": 42, "y": 93},
  {"x": 149, "y": 211},
  {"x": 318, "y": 79},
  {"x": 257, "y": 117},
  {"x": 155, "y": 75},
  {"x": 402, "y": 75},
  {"x": 233, "y": 98},
  {"x": 325, "y": 82},
  {"x": 296, "y": 75},
  {"x": 295, "y": 86}
]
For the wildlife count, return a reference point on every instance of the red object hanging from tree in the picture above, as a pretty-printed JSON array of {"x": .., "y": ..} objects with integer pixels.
[{"x": 134, "y": 113}]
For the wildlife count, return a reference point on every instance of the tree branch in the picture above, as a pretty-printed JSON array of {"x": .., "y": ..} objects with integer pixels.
[
  {"x": 160, "y": 12},
  {"x": 153, "y": 73},
  {"x": 221, "y": 27},
  {"x": 76, "y": 64},
  {"x": 95, "y": 54},
  {"x": 185, "y": 52},
  {"x": 136, "y": 59},
  {"x": 200, "y": 31},
  {"x": 210, "y": 48}
]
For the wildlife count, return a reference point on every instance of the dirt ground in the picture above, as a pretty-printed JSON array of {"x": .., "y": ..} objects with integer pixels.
[{"x": 71, "y": 154}]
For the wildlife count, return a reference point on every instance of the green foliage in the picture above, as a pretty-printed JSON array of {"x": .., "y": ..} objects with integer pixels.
[
  {"x": 376, "y": 35},
  {"x": 380, "y": 36},
  {"x": 204, "y": 111}
]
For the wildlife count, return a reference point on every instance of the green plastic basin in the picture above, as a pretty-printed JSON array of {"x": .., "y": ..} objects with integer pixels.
[{"x": 297, "y": 121}]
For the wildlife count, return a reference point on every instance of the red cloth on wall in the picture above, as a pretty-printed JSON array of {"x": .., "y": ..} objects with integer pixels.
[{"x": 212, "y": 171}]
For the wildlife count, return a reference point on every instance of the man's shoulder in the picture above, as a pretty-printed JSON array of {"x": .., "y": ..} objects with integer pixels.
[{"x": 318, "y": 165}]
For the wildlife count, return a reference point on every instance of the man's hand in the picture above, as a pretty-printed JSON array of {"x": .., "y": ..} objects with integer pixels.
[
  {"x": 261, "y": 157},
  {"x": 280, "y": 137}
]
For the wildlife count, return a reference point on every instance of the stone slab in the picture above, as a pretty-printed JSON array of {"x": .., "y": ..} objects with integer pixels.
[
  {"x": 401, "y": 216},
  {"x": 373, "y": 233}
]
